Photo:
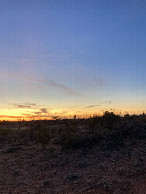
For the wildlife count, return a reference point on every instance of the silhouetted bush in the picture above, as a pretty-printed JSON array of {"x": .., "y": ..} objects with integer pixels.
[
  {"x": 78, "y": 141},
  {"x": 4, "y": 132},
  {"x": 109, "y": 121},
  {"x": 113, "y": 130},
  {"x": 43, "y": 135},
  {"x": 94, "y": 123},
  {"x": 114, "y": 140}
]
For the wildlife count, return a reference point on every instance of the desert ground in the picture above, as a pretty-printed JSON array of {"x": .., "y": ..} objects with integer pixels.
[{"x": 74, "y": 156}]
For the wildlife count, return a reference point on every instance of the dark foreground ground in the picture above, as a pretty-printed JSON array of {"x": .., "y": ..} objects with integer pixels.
[{"x": 28, "y": 167}]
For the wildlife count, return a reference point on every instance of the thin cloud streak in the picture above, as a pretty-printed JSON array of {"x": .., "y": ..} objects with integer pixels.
[
  {"x": 103, "y": 102},
  {"x": 44, "y": 110},
  {"x": 51, "y": 83},
  {"x": 92, "y": 106},
  {"x": 25, "y": 105},
  {"x": 33, "y": 106},
  {"x": 7, "y": 116}
]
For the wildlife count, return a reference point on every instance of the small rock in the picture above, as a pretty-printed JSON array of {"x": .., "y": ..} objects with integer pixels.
[
  {"x": 104, "y": 184},
  {"x": 91, "y": 187},
  {"x": 126, "y": 187},
  {"x": 46, "y": 183},
  {"x": 16, "y": 173},
  {"x": 121, "y": 171},
  {"x": 107, "y": 187},
  {"x": 72, "y": 177}
]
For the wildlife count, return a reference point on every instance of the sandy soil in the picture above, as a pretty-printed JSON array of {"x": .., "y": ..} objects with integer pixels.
[{"x": 27, "y": 168}]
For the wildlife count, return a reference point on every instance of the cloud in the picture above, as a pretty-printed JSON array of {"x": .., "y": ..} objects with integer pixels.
[
  {"x": 40, "y": 110},
  {"x": 25, "y": 105},
  {"x": 7, "y": 116},
  {"x": 51, "y": 83},
  {"x": 102, "y": 102},
  {"x": 37, "y": 113},
  {"x": 99, "y": 82},
  {"x": 92, "y": 106},
  {"x": 44, "y": 110}
]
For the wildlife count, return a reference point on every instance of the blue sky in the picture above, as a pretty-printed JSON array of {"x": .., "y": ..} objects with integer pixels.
[{"x": 66, "y": 55}]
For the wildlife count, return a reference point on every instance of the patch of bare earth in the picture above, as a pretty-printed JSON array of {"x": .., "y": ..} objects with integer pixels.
[{"x": 27, "y": 168}]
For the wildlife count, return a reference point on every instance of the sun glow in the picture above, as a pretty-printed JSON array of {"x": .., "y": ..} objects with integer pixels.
[{"x": 23, "y": 114}]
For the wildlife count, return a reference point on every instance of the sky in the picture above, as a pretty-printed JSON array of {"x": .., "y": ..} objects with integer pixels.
[{"x": 72, "y": 57}]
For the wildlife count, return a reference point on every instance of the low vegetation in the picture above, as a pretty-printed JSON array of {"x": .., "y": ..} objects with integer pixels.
[{"x": 110, "y": 130}]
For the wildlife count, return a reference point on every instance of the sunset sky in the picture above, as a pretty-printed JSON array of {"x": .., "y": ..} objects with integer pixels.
[{"x": 72, "y": 57}]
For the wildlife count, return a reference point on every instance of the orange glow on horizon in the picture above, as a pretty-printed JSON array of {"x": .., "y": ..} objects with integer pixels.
[{"x": 16, "y": 115}]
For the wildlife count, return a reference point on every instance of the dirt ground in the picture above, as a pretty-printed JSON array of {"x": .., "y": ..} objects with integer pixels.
[{"x": 27, "y": 168}]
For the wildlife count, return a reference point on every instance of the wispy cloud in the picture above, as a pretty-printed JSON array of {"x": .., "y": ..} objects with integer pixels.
[
  {"x": 44, "y": 110},
  {"x": 92, "y": 106},
  {"x": 39, "y": 109},
  {"x": 7, "y": 116},
  {"x": 99, "y": 82},
  {"x": 51, "y": 83},
  {"x": 37, "y": 113},
  {"x": 29, "y": 111},
  {"x": 25, "y": 105},
  {"x": 103, "y": 102},
  {"x": 34, "y": 110}
]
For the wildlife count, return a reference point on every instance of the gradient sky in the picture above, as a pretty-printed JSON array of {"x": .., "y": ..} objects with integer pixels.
[{"x": 66, "y": 57}]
